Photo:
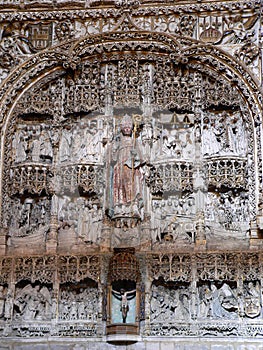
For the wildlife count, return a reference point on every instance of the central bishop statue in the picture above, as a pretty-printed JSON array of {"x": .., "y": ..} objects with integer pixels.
[{"x": 126, "y": 177}]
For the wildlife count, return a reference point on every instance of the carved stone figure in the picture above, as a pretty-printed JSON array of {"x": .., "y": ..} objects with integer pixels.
[
  {"x": 126, "y": 180},
  {"x": 35, "y": 149},
  {"x": 218, "y": 302},
  {"x": 20, "y": 145},
  {"x": 171, "y": 145},
  {"x": 240, "y": 135},
  {"x": 169, "y": 304},
  {"x": 65, "y": 144},
  {"x": 8, "y": 306},
  {"x": 210, "y": 144},
  {"x": 46, "y": 151},
  {"x": 33, "y": 303},
  {"x": 177, "y": 181},
  {"x": 30, "y": 217},
  {"x": 205, "y": 296},
  {"x": 2, "y": 301},
  {"x": 252, "y": 303},
  {"x": 78, "y": 304},
  {"x": 89, "y": 222},
  {"x": 90, "y": 147}
]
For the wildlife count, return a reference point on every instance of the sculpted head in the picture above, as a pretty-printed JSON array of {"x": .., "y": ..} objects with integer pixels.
[{"x": 126, "y": 125}]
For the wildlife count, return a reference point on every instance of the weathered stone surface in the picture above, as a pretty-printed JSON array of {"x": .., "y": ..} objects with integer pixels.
[{"x": 131, "y": 179}]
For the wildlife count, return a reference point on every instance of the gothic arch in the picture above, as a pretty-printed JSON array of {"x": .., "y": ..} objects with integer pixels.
[{"x": 60, "y": 60}]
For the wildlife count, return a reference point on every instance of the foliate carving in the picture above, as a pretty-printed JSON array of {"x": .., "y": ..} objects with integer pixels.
[
  {"x": 29, "y": 331},
  {"x": 218, "y": 298},
  {"x": 98, "y": 84},
  {"x": 170, "y": 177},
  {"x": 209, "y": 267},
  {"x": 32, "y": 179},
  {"x": 193, "y": 156},
  {"x": 127, "y": 4},
  {"x": 64, "y": 30},
  {"x": 76, "y": 268},
  {"x": 251, "y": 266},
  {"x": 168, "y": 23},
  {"x": 87, "y": 179},
  {"x": 33, "y": 269},
  {"x": 170, "y": 267},
  {"x": 42, "y": 102},
  {"x": 220, "y": 292},
  {"x": 187, "y": 25},
  {"x": 77, "y": 330},
  {"x": 216, "y": 267},
  {"x": 227, "y": 172},
  {"x": 248, "y": 53},
  {"x": 78, "y": 143}
]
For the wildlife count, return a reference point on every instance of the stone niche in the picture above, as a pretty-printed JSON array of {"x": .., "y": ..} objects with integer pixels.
[{"x": 124, "y": 296}]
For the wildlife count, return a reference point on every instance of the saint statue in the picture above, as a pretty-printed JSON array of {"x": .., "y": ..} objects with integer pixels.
[{"x": 125, "y": 174}]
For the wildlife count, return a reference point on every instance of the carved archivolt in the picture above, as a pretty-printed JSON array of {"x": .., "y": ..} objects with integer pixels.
[{"x": 111, "y": 71}]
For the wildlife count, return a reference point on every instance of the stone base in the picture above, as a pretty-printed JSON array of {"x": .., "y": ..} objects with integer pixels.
[
  {"x": 150, "y": 344},
  {"x": 200, "y": 245},
  {"x": 51, "y": 247}
]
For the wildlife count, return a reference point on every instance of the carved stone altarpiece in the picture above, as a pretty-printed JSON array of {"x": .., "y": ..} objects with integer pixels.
[{"x": 131, "y": 169}]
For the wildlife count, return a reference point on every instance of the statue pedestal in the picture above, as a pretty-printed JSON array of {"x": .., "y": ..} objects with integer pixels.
[
  {"x": 200, "y": 244},
  {"x": 123, "y": 332},
  {"x": 51, "y": 246}
]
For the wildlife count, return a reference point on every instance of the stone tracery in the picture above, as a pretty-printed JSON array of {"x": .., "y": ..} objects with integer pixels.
[{"x": 191, "y": 166}]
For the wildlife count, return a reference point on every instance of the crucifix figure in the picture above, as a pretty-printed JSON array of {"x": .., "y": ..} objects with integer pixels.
[{"x": 124, "y": 296}]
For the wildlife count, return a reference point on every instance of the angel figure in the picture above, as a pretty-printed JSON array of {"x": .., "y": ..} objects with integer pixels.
[{"x": 124, "y": 296}]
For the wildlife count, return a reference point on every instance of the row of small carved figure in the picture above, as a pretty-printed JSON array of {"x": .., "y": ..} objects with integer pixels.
[
  {"x": 38, "y": 303},
  {"x": 215, "y": 301}
]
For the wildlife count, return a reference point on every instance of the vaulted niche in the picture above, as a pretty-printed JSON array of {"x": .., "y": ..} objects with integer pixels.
[{"x": 124, "y": 297}]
